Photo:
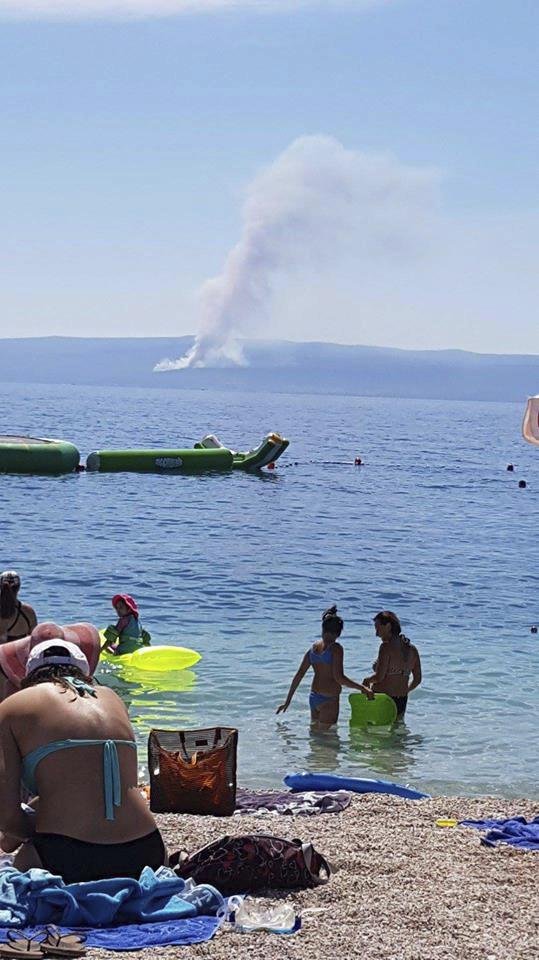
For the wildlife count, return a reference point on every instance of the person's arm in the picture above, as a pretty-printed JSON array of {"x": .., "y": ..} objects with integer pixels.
[
  {"x": 111, "y": 638},
  {"x": 10, "y": 843},
  {"x": 382, "y": 664},
  {"x": 31, "y": 614},
  {"x": 416, "y": 672},
  {"x": 13, "y": 820},
  {"x": 298, "y": 677},
  {"x": 339, "y": 675}
]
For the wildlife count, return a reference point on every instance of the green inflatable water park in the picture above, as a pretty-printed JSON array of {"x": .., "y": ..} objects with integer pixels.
[
  {"x": 159, "y": 461},
  {"x": 207, "y": 455},
  {"x": 37, "y": 455}
]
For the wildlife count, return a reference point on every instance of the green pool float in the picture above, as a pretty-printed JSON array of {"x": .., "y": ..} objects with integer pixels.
[{"x": 379, "y": 712}]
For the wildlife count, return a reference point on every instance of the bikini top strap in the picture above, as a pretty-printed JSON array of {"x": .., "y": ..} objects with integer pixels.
[
  {"x": 80, "y": 686},
  {"x": 325, "y": 657},
  {"x": 112, "y": 789},
  {"x": 22, "y": 614},
  {"x": 17, "y": 615}
]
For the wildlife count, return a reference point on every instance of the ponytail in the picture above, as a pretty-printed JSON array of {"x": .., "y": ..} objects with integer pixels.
[{"x": 331, "y": 622}]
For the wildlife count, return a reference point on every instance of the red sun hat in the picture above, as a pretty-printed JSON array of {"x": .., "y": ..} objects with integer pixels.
[
  {"x": 129, "y": 602},
  {"x": 15, "y": 653}
]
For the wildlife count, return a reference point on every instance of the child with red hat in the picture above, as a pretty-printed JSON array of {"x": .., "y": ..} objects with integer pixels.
[{"x": 127, "y": 634}]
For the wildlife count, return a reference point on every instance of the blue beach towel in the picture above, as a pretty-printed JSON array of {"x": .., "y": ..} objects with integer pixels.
[
  {"x": 137, "y": 936},
  {"x": 38, "y": 897},
  {"x": 517, "y": 832}
]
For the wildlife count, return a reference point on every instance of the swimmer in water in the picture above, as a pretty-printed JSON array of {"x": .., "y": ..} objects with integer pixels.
[{"x": 326, "y": 657}]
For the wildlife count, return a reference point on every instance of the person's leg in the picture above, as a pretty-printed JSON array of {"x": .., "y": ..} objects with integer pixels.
[
  {"x": 314, "y": 703},
  {"x": 328, "y": 712},
  {"x": 400, "y": 703}
]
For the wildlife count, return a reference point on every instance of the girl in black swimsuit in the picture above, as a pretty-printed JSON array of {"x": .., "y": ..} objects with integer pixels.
[{"x": 16, "y": 619}]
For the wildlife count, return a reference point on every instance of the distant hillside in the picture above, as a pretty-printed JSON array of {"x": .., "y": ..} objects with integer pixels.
[{"x": 281, "y": 366}]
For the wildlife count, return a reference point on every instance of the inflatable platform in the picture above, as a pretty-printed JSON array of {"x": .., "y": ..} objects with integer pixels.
[
  {"x": 207, "y": 455},
  {"x": 37, "y": 455}
]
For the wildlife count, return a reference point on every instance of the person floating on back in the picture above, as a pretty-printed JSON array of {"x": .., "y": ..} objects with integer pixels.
[
  {"x": 326, "y": 657},
  {"x": 397, "y": 659},
  {"x": 127, "y": 634}
]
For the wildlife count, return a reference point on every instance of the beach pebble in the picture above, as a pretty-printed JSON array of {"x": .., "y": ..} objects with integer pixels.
[{"x": 405, "y": 890}]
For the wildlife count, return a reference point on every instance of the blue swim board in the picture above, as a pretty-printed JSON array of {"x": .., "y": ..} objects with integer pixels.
[
  {"x": 379, "y": 712},
  {"x": 330, "y": 781}
]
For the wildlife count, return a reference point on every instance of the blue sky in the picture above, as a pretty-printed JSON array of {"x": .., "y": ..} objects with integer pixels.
[{"x": 127, "y": 144}]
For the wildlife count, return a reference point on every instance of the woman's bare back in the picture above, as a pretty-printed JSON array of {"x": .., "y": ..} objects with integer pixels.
[{"x": 70, "y": 782}]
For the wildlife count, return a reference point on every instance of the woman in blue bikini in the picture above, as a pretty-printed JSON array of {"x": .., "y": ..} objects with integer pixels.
[
  {"x": 326, "y": 657},
  {"x": 70, "y": 742}
]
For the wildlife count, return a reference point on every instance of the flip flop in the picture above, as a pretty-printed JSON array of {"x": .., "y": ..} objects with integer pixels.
[
  {"x": 19, "y": 947},
  {"x": 57, "y": 944}
]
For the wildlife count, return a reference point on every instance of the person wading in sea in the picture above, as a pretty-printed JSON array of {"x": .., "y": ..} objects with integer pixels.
[{"x": 397, "y": 659}]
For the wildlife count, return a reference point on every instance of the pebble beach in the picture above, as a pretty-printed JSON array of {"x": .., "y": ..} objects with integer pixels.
[{"x": 402, "y": 888}]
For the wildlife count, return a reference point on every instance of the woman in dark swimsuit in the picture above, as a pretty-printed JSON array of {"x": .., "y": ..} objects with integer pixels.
[
  {"x": 16, "y": 619},
  {"x": 397, "y": 659}
]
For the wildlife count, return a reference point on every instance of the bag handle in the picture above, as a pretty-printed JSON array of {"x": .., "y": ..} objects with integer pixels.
[
  {"x": 308, "y": 851},
  {"x": 184, "y": 748}
]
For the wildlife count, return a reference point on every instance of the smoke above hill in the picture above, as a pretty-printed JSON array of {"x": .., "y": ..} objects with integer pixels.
[{"x": 317, "y": 203}]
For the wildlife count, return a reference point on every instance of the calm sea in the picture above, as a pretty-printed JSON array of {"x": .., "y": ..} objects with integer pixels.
[{"x": 240, "y": 567}]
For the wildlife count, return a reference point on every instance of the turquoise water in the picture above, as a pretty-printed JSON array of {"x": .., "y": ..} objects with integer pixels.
[{"x": 240, "y": 567}]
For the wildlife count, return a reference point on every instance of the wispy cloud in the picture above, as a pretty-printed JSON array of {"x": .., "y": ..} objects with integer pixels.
[{"x": 133, "y": 9}]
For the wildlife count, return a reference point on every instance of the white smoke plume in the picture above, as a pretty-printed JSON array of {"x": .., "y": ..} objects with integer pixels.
[
  {"x": 318, "y": 202},
  {"x": 132, "y": 9}
]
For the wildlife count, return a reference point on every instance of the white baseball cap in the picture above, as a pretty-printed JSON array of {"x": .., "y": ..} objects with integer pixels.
[{"x": 73, "y": 656}]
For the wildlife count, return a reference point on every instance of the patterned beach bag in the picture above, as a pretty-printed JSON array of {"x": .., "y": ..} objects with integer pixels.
[
  {"x": 253, "y": 862},
  {"x": 193, "y": 771}
]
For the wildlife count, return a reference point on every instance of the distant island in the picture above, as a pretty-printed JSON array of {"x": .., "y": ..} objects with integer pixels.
[{"x": 274, "y": 365}]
